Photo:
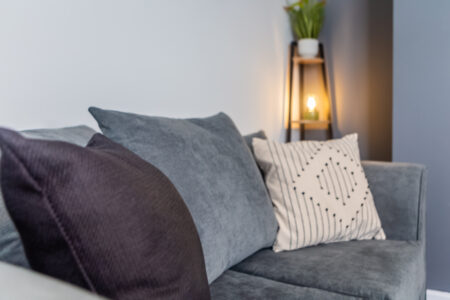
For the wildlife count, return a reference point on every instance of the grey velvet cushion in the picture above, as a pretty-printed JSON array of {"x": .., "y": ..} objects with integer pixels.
[
  {"x": 368, "y": 269},
  {"x": 249, "y": 138},
  {"x": 20, "y": 284},
  {"x": 11, "y": 249},
  {"x": 234, "y": 285},
  {"x": 78, "y": 135},
  {"x": 212, "y": 168},
  {"x": 399, "y": 191}
]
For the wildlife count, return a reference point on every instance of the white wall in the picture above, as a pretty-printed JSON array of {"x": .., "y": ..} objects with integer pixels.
[{"x": 174, "y": 58}]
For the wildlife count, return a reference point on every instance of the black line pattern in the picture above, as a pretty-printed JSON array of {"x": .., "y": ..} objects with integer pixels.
[
  {"x": 334, "y": 231},
  {"x": 282, "y": 193},
  {"x": 289, "y": 194},
  {"x": 291, "y": 152},
  {"x": 303, "y": 224},
  {"x": 343, "y": 178},
  {"x": 332, "y": 182},
  {"x": 359, "y": 219},
  {"x": 320, "y": 194},
  {"x": 288, "y": 164},
  {"x": 337, "y": 179},
  {"x": 348, "y": 150},
  {"x": 315, "y": 220},
  {"x": 323, "y": 226},
  {"x": 353, "y": 151},
  {"x": 300, "y": 153},
  {"x": 309, "y": 219},
  {"x": 329, "y": 225},
  {"x": 326, "y": 182},
  {"x": 320, "y": 182},
  {"x": 349, "y": 179}
]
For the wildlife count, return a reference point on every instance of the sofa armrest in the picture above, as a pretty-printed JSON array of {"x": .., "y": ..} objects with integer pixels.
[
  {"x": 399, "y": 193},
  {"x": 22, "y": 284}
]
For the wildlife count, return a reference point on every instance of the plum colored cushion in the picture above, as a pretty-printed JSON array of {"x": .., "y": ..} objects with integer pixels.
[
  {"x": 210, "y": 164},
  {"x": 11, "y": 249},
  {"x": 101, "y": 218}
]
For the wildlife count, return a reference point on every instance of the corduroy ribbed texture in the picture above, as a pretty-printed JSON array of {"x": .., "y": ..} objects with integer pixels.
[{"x": 102, "y": 218}]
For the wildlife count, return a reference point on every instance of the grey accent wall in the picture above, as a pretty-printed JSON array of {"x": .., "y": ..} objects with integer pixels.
[
  {"x": 358, "y": 42},
  {"x": 421, "y": 119}
]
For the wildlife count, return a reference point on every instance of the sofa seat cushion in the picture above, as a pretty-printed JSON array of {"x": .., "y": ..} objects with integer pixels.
[
  {"x": 234, "y": 285},
  {"x": 369, "y": 269}
]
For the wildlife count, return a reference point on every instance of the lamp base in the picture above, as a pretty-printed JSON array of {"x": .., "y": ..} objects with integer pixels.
[{"x": 311, "y": 115}]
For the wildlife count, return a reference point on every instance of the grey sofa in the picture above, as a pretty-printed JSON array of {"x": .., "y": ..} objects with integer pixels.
[{"x": 391, "y": 269}]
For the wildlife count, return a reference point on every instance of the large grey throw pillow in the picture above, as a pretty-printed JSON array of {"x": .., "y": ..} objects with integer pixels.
[
  {"x": 11, "y": 249},
  {"x": 210, "y": 164}
]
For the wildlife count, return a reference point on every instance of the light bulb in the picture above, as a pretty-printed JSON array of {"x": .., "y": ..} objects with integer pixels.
[{"x": 311, "y": 103}]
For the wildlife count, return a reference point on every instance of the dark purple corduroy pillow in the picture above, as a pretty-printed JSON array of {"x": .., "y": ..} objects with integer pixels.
[{"x": 102, "y": 218}]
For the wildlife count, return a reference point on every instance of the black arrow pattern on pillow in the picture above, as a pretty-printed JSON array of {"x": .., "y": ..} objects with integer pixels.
[
  {"x": 303, "y": 224},
  {"x": 282, "y": 192},
  {"x": 328, "y": 172},
  {"x": 309, "y": 221},
  {"x": 349, "y": 178}
]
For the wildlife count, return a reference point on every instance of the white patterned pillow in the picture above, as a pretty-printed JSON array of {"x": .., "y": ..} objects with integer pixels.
[{"x": 319, "y": 192}]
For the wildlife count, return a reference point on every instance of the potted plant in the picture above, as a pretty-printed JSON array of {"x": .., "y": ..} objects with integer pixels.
[{"x": 306, "y": 18}]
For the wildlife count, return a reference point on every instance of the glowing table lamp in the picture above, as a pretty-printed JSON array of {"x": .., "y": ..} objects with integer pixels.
[{"x": 311, "y": 113}]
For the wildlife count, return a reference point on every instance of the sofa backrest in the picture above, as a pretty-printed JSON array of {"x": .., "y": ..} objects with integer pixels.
[{"x": 11, "y": 250}]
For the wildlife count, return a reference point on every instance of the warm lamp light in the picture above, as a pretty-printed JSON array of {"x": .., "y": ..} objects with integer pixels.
[
  {"x": 311, "y": 103},
  {"x": 311, "y": 108},
  {"x": 312, "y": 113}
]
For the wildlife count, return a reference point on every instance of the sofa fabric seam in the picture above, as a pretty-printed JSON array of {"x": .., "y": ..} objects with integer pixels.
[
  {"x": 419, "y": 204},
  {"x": 304, "y": 286}
]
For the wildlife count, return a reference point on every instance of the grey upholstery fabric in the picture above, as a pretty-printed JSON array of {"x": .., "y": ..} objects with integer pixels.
[
  {"x": 11, "y": 249},
  {"x": 249, "y": 138},
  {"x": 368, "y": 269},
  {"x": 20, "y": 284},
  {"x": 215, "y": 173},
  {"x": 102, "y": 218},
  {"x": 78, "y": 135},
  {"x": 240, "y": 286},
  {"x": 399, "y": 193}
]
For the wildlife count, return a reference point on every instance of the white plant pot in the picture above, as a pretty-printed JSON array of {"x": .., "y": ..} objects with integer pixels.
[{"x": 308, "y": 48}]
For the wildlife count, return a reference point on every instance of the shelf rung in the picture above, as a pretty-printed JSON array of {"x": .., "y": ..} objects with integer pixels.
[
  {"x": 308, "y": 61},
  {"x": 310, "y": 122}
]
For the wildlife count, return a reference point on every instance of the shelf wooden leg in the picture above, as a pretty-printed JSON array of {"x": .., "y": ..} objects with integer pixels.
[
  {"x": 291, "y": 72},
  {"x": 330, "y": 131},
  {"x": 301, "y": 90}
]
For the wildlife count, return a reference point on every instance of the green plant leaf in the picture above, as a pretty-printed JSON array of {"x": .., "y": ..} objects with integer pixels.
[{"x": 306, "y": 18}]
